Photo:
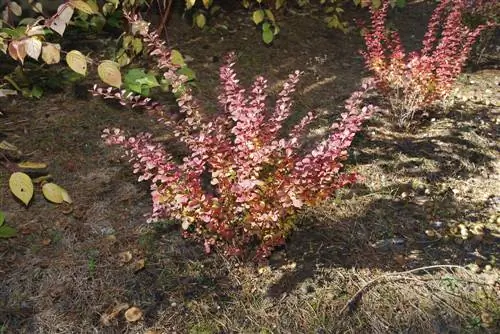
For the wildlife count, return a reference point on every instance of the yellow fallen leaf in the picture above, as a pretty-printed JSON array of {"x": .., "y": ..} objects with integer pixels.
[
  {"x": 41, "y": 179},
  {"x": 32, "y": 165},
  {"x": 55, "y": 193},
  {"x": 21, "y": 186}
]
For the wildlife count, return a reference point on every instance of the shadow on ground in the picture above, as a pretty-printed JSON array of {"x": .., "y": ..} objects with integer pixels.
[{"x": 396, "y": 226}]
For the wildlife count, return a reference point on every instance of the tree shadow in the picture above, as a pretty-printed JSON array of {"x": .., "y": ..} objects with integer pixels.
[
  {"x": 459, "y": 145},
  {"x": 385, "y": 233},
  {"x": 384, "y": 230}
]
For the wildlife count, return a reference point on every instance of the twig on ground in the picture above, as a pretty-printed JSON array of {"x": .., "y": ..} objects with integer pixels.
[{"x": 353, "y": 302}]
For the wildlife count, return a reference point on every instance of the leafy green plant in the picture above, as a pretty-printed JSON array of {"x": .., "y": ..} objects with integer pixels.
[
  {"x": 140, "y": 82},
  {"x": 263, "y": 12},
  {"x": 265, "y": 18},
  {"x": 32, "y": 39}
]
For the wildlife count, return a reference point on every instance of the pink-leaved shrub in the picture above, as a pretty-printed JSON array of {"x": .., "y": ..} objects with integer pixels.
[
  {"x": 242, "y": 184},
  {"x": 414, "y": 81}
]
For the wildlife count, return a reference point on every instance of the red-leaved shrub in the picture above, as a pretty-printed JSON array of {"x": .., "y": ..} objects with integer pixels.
[
  {"x": 242, "y": 183},
  {"x": 414, "y": 81}
]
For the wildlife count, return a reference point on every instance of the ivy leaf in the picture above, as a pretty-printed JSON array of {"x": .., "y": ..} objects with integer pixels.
[
  {"x": 109, "y": 72},
  {"x": 258, "y": 16},
  {"x": 77, "y": 62},
  {"x": 2, "y": 218},
  {"x": 267, "y": 34},
  {"x": 21, "y": 186}
]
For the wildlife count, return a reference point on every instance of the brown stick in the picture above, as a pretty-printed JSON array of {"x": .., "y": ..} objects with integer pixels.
[
  {"x": 351, "y": 304},
  {"x": 164, "y": 18}
]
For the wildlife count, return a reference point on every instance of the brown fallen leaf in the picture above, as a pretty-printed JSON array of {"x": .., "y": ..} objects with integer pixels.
[
  {"x": 139, "y": 265},
  {"x": 400, "y": 259},
  {"x": 133, "y": 314},
  {"x": 125, "y": 257},
  {"x": 152, "y": 331},
  {"x": 109, "y": 316}
]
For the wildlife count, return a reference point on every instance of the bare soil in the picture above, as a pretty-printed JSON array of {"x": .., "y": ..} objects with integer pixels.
[{"x": 69, "y": 269}]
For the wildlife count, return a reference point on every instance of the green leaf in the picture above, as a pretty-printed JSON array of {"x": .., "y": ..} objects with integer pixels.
[
  {"x": 36, "y": 92},
  {"x": 400, "y": 3},
  {"x": 138, "y": 81},
  {"x": 149, "y": 80},
  {"x": 2, "y": 218},
  {"x": 270, "y": 15},
  {"x": 176, "y": 58},
  {"x": 7, "y": 231},
  {"x": 137, "y": 45},
  {"x": 267, "y": 34},
  {"x": 207, "y": 3},
  {"x": 258, "y": 16},
  {"x": 98, "y": 22},
  {"x": 376, "y": 3},
  {"x": 200, "y": 20},
  {"x": 190, "y": 3},
  {"x": 187, "y": 72}
]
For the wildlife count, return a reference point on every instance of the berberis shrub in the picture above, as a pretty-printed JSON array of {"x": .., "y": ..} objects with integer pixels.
[
  {"x": 414, "y": 81},
  {"x": 242, "y": 183}
]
